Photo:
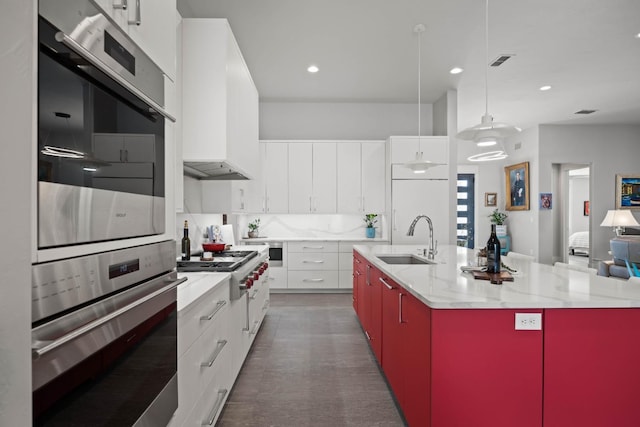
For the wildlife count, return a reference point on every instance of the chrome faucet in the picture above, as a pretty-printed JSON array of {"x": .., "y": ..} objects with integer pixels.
[{"x": 433, "y": 250}]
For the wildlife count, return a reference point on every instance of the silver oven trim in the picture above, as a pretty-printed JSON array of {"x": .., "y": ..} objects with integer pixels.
[
  {"x": 69, "y": 214},
  {"x": 61, "y": 285},
  {"x": 82, "y": 26},
  {"x": 62, "y": 343}
]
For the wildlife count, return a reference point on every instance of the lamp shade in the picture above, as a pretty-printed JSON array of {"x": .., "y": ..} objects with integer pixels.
[
  {"x": 619, "y": 218},
  {"x": 419, "y": 165}
]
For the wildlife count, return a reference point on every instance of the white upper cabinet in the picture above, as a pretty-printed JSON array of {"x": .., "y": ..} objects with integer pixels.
[
  {"x": 361, "y": 177},
  {"x": 151, "y": 25},
  {"x": 312, "y": 177},
  {"x": 300, "y": 177},
  {"x": 433, "y": 148},
  {"x": 349, "y": 172},
  {"x": 276, "y": 177},
  {"x": 324, "y": 178},
  {"x": 219, "y": 99}
]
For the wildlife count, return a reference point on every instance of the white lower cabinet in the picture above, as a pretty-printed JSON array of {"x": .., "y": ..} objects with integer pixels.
[
  {"x": 278, "y": 278},
  {"x": 214, "y": 337}
]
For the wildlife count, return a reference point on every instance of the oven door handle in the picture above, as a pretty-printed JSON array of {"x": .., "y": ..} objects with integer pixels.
[
  {"x": 84, "y": 53},
  {"x": 40, "y": 348}
]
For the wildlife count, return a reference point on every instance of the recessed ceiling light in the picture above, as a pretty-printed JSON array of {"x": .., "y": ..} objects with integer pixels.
[
  {"x": 456, "y": 70},
  {"x": 545, "y": 87},
  {"x": 313, "y": 69},
  {"x": 638, "y": 36}
]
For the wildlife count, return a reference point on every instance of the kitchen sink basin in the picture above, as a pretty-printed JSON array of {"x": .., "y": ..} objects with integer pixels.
[{"x": 403, "y": 259}]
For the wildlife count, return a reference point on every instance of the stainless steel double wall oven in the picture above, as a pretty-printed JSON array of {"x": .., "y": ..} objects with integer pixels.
[{"x": 104, "y": 338}]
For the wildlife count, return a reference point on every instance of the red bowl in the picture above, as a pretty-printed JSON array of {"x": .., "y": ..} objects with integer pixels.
[{"x": 213, "y": 247}]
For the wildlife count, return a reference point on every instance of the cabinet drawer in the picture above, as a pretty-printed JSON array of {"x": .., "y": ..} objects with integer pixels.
[
  {"x": 313, "y": 279},
  {"x": 209, "y": 309},
  {"x": 310, "y": 246},
  {"x": 313, "y": 261},
  {"x": 277, "y": 277}
]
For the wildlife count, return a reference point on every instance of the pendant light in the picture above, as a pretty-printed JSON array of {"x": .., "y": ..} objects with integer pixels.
[
  {"x": 419, "y": 165},
  {"x": 488, "y": 133}
]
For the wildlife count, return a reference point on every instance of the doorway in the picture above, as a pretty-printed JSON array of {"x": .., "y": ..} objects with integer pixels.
[
  {"x": 465, "y": 208},
  {"x": 575, "y": 208}
]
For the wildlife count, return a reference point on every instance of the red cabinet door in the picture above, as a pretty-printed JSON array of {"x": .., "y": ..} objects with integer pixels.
[
  {"x": 392, "y": 343},
  {"x": 375, "y": 312},
  {"x": 416, "y": 361},
  {"x": 592, "y": 367},
  {"x": 483, "y": 371}
]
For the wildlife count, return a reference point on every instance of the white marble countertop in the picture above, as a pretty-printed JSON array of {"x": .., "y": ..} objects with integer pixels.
[
  {"x": 198, "y": 284},
  {"x": 313, "y": 239},
  {"x": 444, "y": 286}
]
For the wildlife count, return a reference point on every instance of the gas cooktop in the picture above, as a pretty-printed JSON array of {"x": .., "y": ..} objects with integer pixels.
[{"x": 225, "y": 262}]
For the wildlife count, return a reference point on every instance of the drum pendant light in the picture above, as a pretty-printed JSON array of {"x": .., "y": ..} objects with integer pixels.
[
  {"x": 419, "y": 165},
  {"x": 488, "y": 133}
]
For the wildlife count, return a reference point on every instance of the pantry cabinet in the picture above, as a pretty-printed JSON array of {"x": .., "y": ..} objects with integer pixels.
[
  {"x": 151, "y": 25},
  {"x": 276, "y": 177}
]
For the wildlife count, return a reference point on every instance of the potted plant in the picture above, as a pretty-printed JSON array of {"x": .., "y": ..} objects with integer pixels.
[
  {"x": 253, "y": 228},
  {"x": 370, "y": 220},
  {"x": 498, "y": 218}
]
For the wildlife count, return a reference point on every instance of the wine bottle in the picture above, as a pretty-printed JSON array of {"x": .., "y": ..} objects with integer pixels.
[
  {"x": 186, "y": 243},
  {"x": 493, "y": 252}
]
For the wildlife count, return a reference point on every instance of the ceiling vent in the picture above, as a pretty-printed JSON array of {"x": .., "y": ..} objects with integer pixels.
[
  {"x": 500, "y": 60},
  {"x": 585, "y": 111}
]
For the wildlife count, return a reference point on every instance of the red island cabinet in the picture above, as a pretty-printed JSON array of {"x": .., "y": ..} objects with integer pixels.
[
  {"x": 369, "y": 303},
  {"x": 484, "y": 372},
  {"x": 406, "y": 350},
  {"x": 358, "y": 271},
  {"x": 592, "y": 367}
]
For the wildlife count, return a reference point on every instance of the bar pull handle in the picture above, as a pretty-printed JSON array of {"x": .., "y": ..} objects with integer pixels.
[
  {"x": 215, "y": 354},
  {"x": 219, "y": 306},
  {"x": 313, "y": 247},
  {"x": 313, "y": 261},
  {"x": 138, "y": 18},
  {"x": 313, "y": 280},
  {"x": 384, "y": 282},
  {"x": 400, "y": 295},
  {"x": 212, "y": 415}
]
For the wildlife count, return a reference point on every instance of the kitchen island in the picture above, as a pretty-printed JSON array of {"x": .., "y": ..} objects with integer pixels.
[{"x": 455, "y": 353}]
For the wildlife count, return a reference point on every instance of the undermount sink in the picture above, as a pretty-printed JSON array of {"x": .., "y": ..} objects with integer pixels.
[{"x": 403, "y": 259}]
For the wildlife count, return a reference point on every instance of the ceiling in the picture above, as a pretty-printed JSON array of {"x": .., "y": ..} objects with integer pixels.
[{"x": 367, "y": 52}]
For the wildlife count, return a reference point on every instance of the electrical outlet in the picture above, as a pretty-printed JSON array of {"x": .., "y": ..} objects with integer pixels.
[{"x": 529, "y": 321}]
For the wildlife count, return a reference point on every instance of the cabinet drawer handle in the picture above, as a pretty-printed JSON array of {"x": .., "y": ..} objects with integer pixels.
[
  {"x": 212, "y": 415},
  {"x": 266, "y": 304},
  {"x": 215, "y": 354},
  {"x": 400, "y": 295},
  {"x": 384, "y": 282},
  {"x": 306, "y": 261},
  {"x": 358, "y": 273},
  {"x": 357, "y": 260},
  {"x": 368, "y": 336},
  {"x": 219, "y": 305},
  {"x": 313, "y": 280},
  {"x": 254, "y": 294},
  {"x": 313, "y": 247},
  {"x": 122, "y": 5},
  {"x": 138, "y": 18}
]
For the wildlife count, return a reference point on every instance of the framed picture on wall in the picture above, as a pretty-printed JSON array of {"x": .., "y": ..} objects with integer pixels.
[
  {"x": 545, "y": 201},
  {"x": 491, "y": 199},
  {"x": 517, "y": 186},
  {"x": 628, "y": 191}
]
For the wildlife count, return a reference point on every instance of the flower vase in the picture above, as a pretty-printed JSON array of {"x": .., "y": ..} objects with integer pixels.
[
  {"x": 371, "y": 232},
  {"x": 253, "y": 234}
]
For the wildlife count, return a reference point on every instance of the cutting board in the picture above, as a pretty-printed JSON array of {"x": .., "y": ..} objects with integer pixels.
[{"x": 503, "y": 276}]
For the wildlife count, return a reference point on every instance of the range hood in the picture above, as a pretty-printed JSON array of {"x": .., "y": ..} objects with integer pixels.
[{"x": 213, "y": 171}]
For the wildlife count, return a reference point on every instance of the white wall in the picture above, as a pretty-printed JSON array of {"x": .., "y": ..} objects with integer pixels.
[
  {"x": 523, "y": 225},
  {"x": 17, "y": 119},
  {"x": 610, "y": 149},
  {"x": 340, "y": 121}
]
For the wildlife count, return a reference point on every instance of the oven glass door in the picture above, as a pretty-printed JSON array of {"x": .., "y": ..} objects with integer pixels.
[{"x": 100, "y": 153}]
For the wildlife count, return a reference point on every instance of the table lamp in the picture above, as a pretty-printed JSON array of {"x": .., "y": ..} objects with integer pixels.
[{"x": 618, "y": 219}]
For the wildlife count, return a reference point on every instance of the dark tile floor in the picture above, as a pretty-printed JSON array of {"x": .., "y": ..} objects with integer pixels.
[{"x": 310, "y": 366}]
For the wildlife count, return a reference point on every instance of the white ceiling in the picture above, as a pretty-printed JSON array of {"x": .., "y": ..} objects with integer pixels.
[{"x": 367, "y": 52}]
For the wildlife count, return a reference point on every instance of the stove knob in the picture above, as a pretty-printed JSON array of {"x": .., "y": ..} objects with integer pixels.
[
  {"x": 266, "y": 265},
  {"x": 248, "y": 283},
  {"x": 261, "y": 269},
  {"x": 256, "y": 275}
]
